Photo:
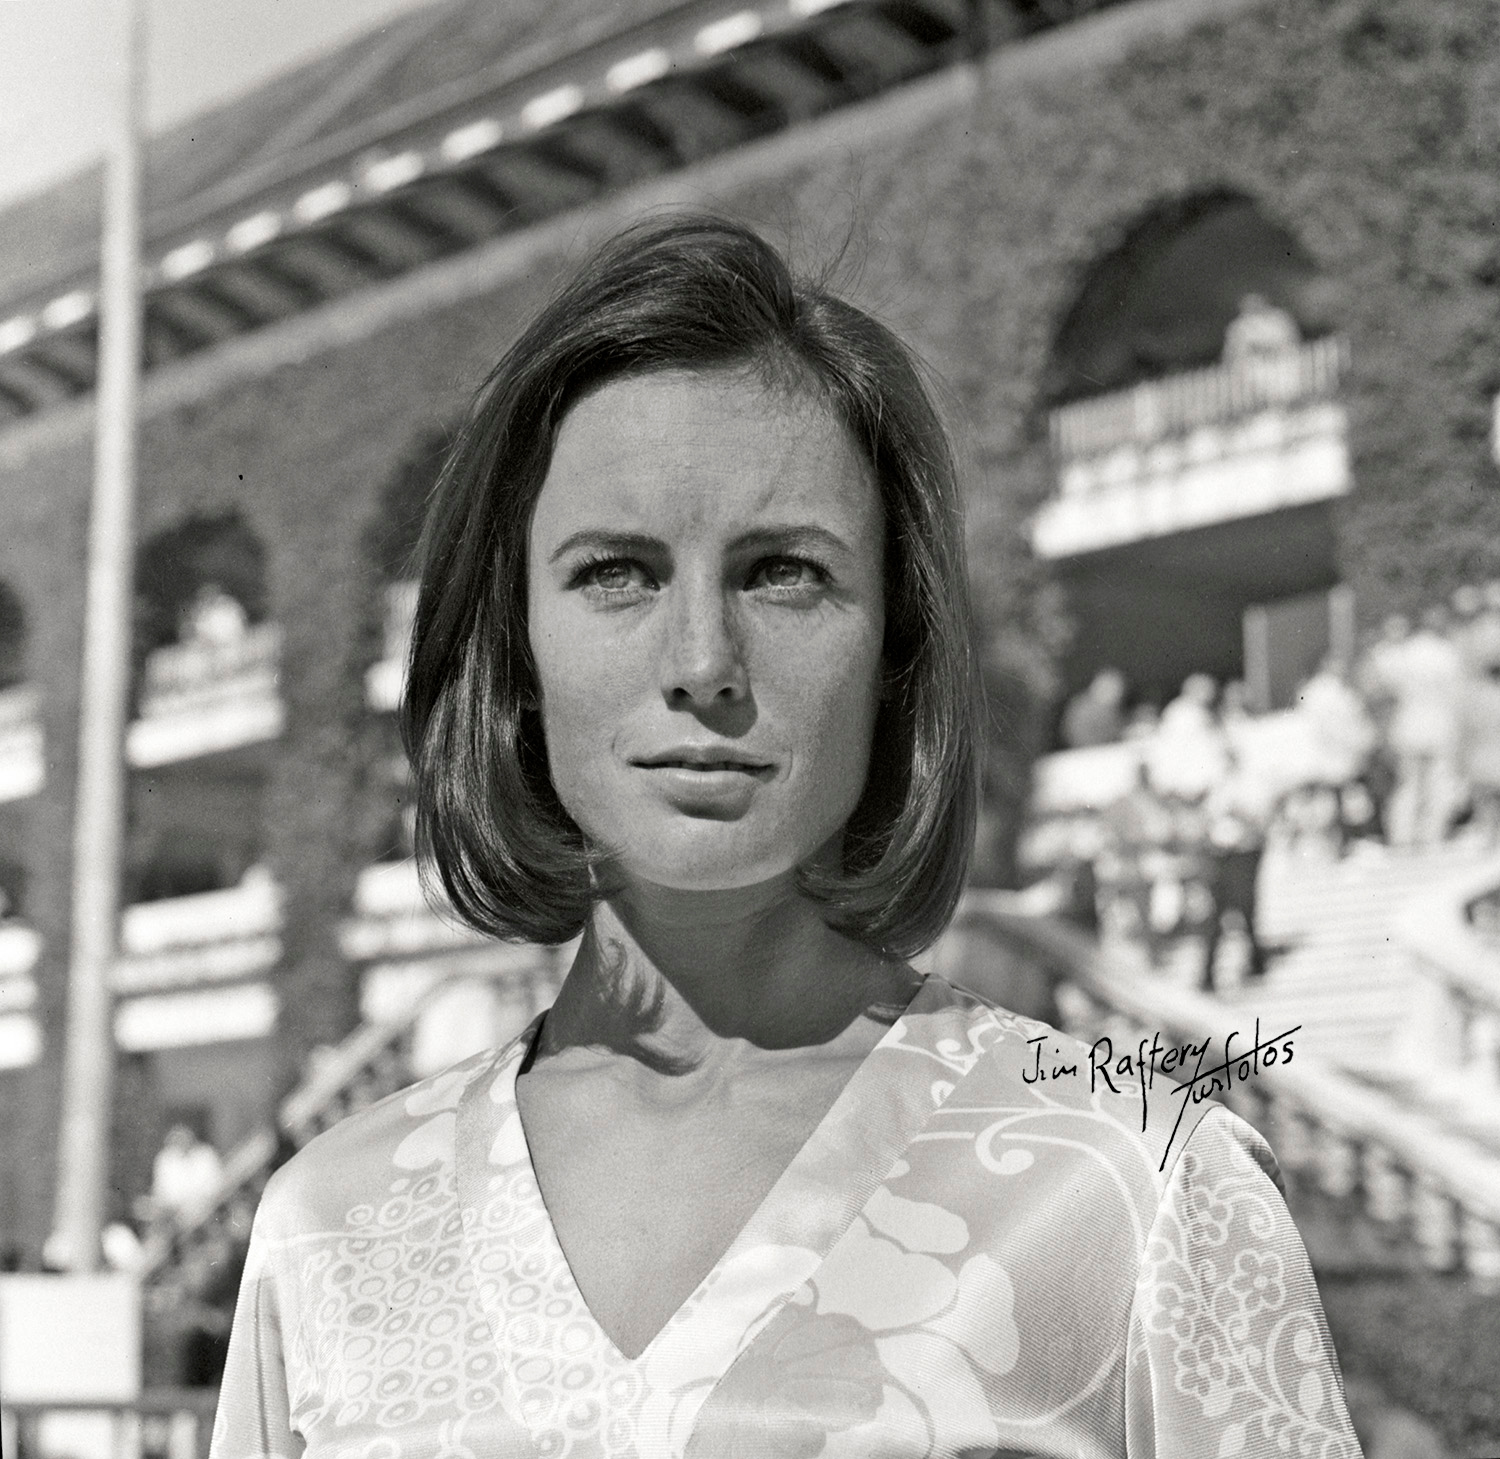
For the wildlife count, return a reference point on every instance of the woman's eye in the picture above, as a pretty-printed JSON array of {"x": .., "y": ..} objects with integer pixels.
[
  {"x": 612, "y": 575},
  {"x": 788, "y": 572}
]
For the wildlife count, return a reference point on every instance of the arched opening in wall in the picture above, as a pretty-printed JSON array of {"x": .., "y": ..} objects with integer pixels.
[
  {"x": 1161, "y": 301},
  {"x": 201, "y": 931},
  {"x": 22, "y": 771},
  {"x": 206, "y": 708},
  {"x": 391, "y": 546},
  {"x": 1198, "y": 446},
  {"x": 212, "y": 565}
]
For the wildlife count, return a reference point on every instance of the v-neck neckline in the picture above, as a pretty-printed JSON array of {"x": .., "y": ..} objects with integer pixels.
[{"x": 485, "y": 1131}]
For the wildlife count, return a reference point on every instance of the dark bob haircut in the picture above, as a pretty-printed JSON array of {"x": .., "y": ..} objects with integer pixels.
[{"x": 695, "y": 293}]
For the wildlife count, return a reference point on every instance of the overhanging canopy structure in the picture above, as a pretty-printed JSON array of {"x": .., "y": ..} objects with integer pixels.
[{"x": 504, "y": 141}]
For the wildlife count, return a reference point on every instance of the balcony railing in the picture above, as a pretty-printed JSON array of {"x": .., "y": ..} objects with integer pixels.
[
  {"x": 20, "y": 1032},
  {"x": 162, "y": 1423},
  {"x": 20, "y": 1038},
  {"x": 392, "y": 918},
  {"x": 23, "y": 764},
  {"x": 1455, "y": 1030},
  {"x": 20, "y": 947},
  {"x": 405, "y": 947},
  {"x": 204, "y": 938},
  {"x": 192, "y": 969},
  {"x": 1180, "y": 404},
  {"x": 202, "y": 697},
  {"x": 1208, "y": 446}
]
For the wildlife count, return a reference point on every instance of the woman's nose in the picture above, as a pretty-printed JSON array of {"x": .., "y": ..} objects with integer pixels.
[{"x": 702, "y": 658}]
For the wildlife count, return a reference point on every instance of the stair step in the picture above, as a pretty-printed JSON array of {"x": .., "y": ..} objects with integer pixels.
[{"x": 1339, "y": 971}]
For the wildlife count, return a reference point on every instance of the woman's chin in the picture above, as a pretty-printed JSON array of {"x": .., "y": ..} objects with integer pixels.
[
  {"x": 706, "y": 856},
  {"x": 701, "y": 875}
]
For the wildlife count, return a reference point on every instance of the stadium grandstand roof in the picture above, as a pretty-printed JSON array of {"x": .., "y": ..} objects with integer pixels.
[{"x": 457, "y": 123}]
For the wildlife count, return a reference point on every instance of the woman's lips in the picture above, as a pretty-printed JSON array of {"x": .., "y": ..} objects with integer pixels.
[
  {"x": 707, "y": 766},
  {"x": 721, "y": 789}
]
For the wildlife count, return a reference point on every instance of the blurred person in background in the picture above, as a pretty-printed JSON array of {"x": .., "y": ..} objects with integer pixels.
[
  {"x": 1261, "y": 341},
  {"x": 191, "y": 1312},
  {"x": 1096, "y": 715},
  {"x": 214, "y": 619},
  {"x": 692, "y": 676},
  {"x": 1366, "y": 678},
  {"x": 1237, "y": 814},
  {"x": 1141, "y": 722},
  {"x": 1341, "y": 737},
  {"x": 1140, "y": 833},
  {"x": 1422, "y": 676},
  {"x": 1189, "y": 754},
  {"x": 1465, "y": 603},
  {"x": 184, "y": 1175},
  {"x": 1234, "y": 709},
  {"x": 1479, "y": 721},
  {"x": 122, "y": 1249}
]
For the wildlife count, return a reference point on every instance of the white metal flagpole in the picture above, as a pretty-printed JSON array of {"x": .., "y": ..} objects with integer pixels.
[{"x": 99, "y": 808}]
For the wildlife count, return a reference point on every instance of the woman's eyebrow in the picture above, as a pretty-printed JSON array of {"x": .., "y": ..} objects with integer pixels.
[
  {"x": 781, "y": 537},
  {"x": 790, "y": 537},
  {"x": 605, "y": 541}
]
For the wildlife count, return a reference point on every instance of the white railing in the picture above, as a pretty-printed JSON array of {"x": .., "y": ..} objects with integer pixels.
[
  {"x": 20, "y": 1032},
  {"x": 176, "y": 1423},
  {"x": 1454, "y": 1030},
  {"x": 253, "y": 907},
  {"x": 20, "y": 947},
  {"x": 405, "y": 947},
  {"x": 205, "y": 696},
  {"x": 1179, "y": 404},
  {"x": 392, "y": 917},
  {"x": 183, "y": 673},
  {"x": 1378, "y": 1183},
  {"x": 209, "y": 937},
  {"x": 18, "y": 707},
  {"x": 20, "y": 1035},
  {"x": 23, "y": 765}
]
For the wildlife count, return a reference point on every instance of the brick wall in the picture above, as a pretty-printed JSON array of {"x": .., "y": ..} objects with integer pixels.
[{"x": 968, "y": 210}]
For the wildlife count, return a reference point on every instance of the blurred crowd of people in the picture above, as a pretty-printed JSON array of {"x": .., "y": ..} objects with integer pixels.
[{"x": 1397, "y": 749}]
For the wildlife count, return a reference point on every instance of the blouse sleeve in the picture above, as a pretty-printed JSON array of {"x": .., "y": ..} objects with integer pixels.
[
  {"x": 254, "y": 1414},
  {"x": 1228, "y": 1352}
]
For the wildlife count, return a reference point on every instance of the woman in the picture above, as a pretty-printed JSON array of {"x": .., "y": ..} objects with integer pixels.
[{"x": 691, "y": 675}]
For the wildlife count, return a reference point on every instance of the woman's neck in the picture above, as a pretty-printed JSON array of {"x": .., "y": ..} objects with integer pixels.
[{"x": 702, "y": 982}]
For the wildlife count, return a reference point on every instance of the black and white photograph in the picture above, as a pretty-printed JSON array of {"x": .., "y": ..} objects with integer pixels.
[{"x": 749, "y": 729}]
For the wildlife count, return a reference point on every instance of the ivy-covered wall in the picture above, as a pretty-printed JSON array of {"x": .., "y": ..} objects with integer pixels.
[{"x": 1369, "y": 128}]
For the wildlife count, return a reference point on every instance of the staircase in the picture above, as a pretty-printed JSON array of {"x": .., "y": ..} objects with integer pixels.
[
  {"x": 1343, "y": 970},
  {"x": 1338, "y": 968},
  {"x": 1344, "y": 974}
]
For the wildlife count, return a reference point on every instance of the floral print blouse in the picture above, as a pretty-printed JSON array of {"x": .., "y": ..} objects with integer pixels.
[{"x": 959, "y": 1262}]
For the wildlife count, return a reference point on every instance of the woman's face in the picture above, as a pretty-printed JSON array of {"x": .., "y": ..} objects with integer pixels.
[{"x": 706, "y": 615}]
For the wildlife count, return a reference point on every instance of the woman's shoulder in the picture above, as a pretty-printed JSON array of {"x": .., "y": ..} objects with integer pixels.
[
  {"x": 376, "y": 1153},
  {"x": 1136, "y": 1101}
]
